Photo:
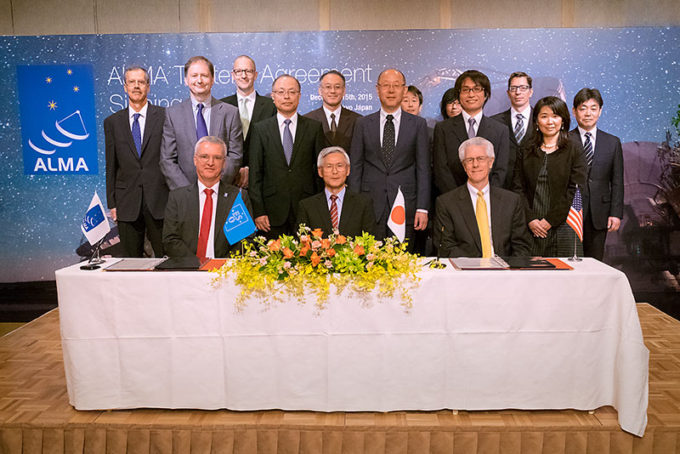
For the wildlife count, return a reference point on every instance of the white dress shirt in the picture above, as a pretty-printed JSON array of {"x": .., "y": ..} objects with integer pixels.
[
  {"x": 282, "y": 126},
  {"x": 473, "y": 197},
  {"x": 526, "y": 113},
  {"x": 593, "y": 135},
  {"x": 328, "y": 115},
  {"x": 250, "y": 105},
  {"x": 142, "y": 118},
  {"x": 396, "y": 120},
  {"x": 206, "y": 111},
  {"x": 477, "y": 118}
]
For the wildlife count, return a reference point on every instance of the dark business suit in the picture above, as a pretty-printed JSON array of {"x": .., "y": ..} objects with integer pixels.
[
  {"x": 356, "y": 216},
  {"x": 603, "y": 194},
  {"x": 182, "y": 223},
  {"x": 455, "y": 224},
  {"x": 277, "y": 187},
  {"x": 179, "y": 140},
  {"x": 410, "y": 168},
  {"x": 449, "y": 134},
  {"x": 263, "y": 108},
  {"x": 135, "y": 186},
  {"x": 505, "y": 118},
  {"x": 343, "y": 135}
]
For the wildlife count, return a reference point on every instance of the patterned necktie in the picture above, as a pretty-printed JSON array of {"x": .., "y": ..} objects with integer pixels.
[
  {"x": 471, "y": 128},
  {"x": 334, "y": 211},
  {"x": 334, "y": 125},
  {"x": 206, "y": 219},
  {"x": 519, "y": 128},
  {"x": 287, "y": 141},
  {"x": 243, "y": 112},
  {"x": 201, "y": 128},
  {"x": 388, "y": 141},
  {"x": 137, "y": 134},
  {"x": 483, "y": 225},
  {"x": 588, "y": 150}
]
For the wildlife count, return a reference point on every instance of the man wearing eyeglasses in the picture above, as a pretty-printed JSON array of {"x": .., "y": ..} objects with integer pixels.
[
  {"x": 200, "y": 115},
  {"x": 473, "y": 90},
  {"x": 252, "y": 107},
  {"x": 337, "y": 121},
  {"x": 337, "y": 209},
  {"x": 136, "y": 191},
  {"x": 283, "y": 151},
  {"x": 517, "y": 118},
  {"x": 477, "y": 219},
  {"x": 195, "y": 214}
]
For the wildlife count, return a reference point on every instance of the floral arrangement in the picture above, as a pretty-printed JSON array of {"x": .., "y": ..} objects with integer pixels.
[{"x": 308, "y": 265}]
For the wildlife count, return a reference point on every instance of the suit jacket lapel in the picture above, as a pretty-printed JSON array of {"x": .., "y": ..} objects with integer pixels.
[
  {"x": 125, "y": 120},
  {"x": 346, "y": 212},
  {"x": 469, "y": 216},
  {"x": 374, "y": 129},
  {"x": 496, "y": 213},
  {"x": 224, "y": 202},
  {"x": 195, "y": 212},
  {"x": 276, "y": 135},
  {"x": 459, "y": 128},
  {"x": 300, "y": 132},
  {"x": 189, "y": 119},
  {"x": 343, "y": 125},
  {"x": 216, "y": 116},
  {"x": 152, "y": 118},
  {"x": 321, "y": 205}
]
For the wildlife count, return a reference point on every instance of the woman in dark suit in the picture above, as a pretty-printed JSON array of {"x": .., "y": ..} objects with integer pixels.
[{"x": 547, "y": 171}]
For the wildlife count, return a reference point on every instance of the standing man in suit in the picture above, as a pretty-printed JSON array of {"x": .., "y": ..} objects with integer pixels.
[
  {"x": 200, "y": 115},
  {"x": 337, "y": 121},
  {"x": 517, "y": 118},
  {"x": 251, "y": 106},
  {"x": 136, "y": 191},
  {"x": 603, "y": 194},
  {"x": 473, "y": 90},
  {"x": 283, "y": 151},
  {"x": 390, "y": 151},
  {"x": 195, "y": 215},
  {"x": 476, "y": 219},
  {"x": 336, "y": 208}
]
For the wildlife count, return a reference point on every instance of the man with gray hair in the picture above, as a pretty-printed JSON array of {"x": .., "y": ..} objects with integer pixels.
[
  {"x": 476, "y": 219},
  {"x": 336, "y": 209},
  {"x": 195, "y": 214}
]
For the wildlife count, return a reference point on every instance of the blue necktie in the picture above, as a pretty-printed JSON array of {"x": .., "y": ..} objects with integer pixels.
[
  {"x": 137, "y": 133},
  {"x": 588, "y": 150},
  {"x": 519, "y": 128},
  {"x": 287, "y": 141},
  {"x": 201, "y": 128}
]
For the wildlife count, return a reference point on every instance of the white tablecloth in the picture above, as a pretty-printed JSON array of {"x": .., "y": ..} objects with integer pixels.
[{"x": 474, "y": 340}]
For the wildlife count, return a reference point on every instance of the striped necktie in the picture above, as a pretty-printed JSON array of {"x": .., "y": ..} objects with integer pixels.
[
  {"x": 334, "y": 211},
  {"x": 519, "y": 128},
  {"x": 588, "y": 150}
]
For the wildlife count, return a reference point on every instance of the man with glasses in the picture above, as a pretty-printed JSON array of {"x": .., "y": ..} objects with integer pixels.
[
  {"x": 252, "y": 107},
  {"x": 195, "y": 215},
  {"x": 473, "y": 90},
  {"x": 517, "y": 118},
  {"x": 390, "y": 152},
  {"x": 283, "y": 151},
  {"x": 477, "y": 219},
  {"x": 200, "y": 115},
  {"x": 337, "y": 121},
  {"x": 136, "y": 191}
]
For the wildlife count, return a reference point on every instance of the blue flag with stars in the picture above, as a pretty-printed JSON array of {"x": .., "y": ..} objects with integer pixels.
[
  {"x": 58, "y": 125},
  {"x": 239, "y": 223}
]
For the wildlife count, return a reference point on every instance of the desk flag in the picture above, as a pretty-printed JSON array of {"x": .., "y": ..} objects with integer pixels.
[
  {"x": 575, "y": 216},
  {"x": 239, "y": 223},
  {"x": 397, "y": 220},
  {"x": 95, "y": 226}
]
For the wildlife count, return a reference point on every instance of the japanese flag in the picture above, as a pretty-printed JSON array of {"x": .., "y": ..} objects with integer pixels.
[{"x": 397, "y": 220}]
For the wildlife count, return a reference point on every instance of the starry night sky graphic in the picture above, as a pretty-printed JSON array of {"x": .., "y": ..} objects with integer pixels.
[{"x": 637, "y": 71}]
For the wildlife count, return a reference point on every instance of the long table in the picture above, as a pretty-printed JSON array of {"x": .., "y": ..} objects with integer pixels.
[{"x": 474, "y": 340}]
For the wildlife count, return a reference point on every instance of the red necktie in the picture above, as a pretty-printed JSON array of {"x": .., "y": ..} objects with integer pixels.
[
  {"x": 334, "y": 211},
  {"x": 205, "y": 224}
]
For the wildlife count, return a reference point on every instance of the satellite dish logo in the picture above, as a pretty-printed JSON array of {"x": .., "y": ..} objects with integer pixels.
[{"x": 57, "y": 119}]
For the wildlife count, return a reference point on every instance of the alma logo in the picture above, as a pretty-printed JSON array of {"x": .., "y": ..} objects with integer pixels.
[{"x": 58, "y": 126}]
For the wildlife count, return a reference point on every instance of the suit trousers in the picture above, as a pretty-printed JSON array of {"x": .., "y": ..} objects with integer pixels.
[
  {"x": 132, "y": 234},
  {"x": 593, "y": 239}
]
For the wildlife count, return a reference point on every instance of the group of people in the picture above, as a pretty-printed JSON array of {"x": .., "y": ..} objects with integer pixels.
[{"x": 500, "y": 185}]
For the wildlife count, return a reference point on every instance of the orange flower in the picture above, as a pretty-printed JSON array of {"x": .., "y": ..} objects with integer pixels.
[
  {"x": 330, "y": 252},
  {"x": 325, "y": 243},
  {"x": 359, "y": 250},
  {"x": 318, "y": 233},
  {"x": 315, "y": 259},
  {"x": 340, "y": 239},
  {"x": 287, "y": 253},
  {"x": 274, "y": 245},
  {"x": 304, "y": 250}
]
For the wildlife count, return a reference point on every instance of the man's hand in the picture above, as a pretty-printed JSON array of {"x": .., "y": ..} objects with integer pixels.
[
  {"x": 420, "y": 221},
  {"x": 114, "y": 214},
  {"x": 262, "y": 223},
  {"x": 613, "y": 224},
  {"x": 242, "y": 178}
]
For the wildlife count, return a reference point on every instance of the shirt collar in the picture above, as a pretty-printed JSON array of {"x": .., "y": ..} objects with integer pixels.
[
  {"x": 526, "y": 113},
  {"x": 280, "y": 118},
  {"x": 478, "y": 117},
  {"x": 341, "y": 194},
  {"x": 202, "y": 187},
  {"x": 593, "y": 133},
  {"x": 336, "y": 112},
  {"x": 473, "y": 190},
  {"x": 142, "y": 111},
  {"x": 194, "y": 103},
  {"x": 250, "y": 97},
  {"x": 396, "y": 114}
]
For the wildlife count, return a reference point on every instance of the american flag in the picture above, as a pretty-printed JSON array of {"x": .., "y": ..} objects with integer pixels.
[{"x": 575, "y": 216}]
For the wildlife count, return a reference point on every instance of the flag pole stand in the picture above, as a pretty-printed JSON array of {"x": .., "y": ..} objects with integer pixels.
[
  {"x": 95, "y": 260},
  {"x": 575, "y": 258}
]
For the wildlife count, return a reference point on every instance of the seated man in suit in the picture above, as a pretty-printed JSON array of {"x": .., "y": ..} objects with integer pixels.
[
  {"x": 336, "y": 208},
  {"x": 195, "y": 214},
  {"x": 476, "y": 219},
  {"x": 200, "y": 115}
]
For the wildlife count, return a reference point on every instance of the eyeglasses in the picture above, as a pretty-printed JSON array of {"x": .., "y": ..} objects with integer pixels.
[
  {"x": 207, "y": 157},
  {"x": 339, "y": 166},
  {"x": 518, "y": 88},
  {"x": 286, "y": 92},
  {"x": 478, "y": 160},
  {"x": 391, "y": 86},
  {"x": 467, "y": 90},
  {"x": 243, "y": 72}
]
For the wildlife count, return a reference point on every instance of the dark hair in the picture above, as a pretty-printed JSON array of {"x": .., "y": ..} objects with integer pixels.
[
  {"x": 137, "y": 68},
  {"x": 584, "y": 94},
  {"x": 519, "y": 74},
  {"x": 560, "y": 108},
  {"x": 193, "y": 60},
  {"x": 447, "y": 98},
  {"x": 336, "y": 72},
  {"x": 478, "y": 78},
  {"x": 287, "y": 75},
  {"x": 413, "y": 89}
]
